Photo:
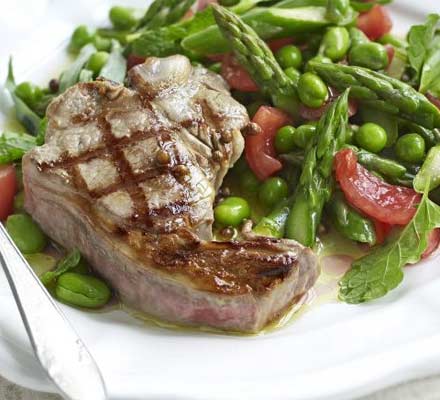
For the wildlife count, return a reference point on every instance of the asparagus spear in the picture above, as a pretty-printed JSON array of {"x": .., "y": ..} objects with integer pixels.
[
  {"x": 253, "y": 54},
  {"x": 274, "y": 223},
  {"x": 381, "y": 92},
  {"x": 164, "y": 12},
  {"x": 269, "y": 23},
  {"x": 315, "y": 185}
]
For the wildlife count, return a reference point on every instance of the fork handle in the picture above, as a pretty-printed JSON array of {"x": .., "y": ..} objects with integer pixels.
[{"x": 60, "y": 351}]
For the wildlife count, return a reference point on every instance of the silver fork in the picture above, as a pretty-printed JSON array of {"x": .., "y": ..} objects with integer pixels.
[{"x": 60, "y": 351}]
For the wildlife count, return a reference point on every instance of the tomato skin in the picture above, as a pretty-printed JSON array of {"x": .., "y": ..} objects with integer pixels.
[
  {"x": 375, "y": 23},
  {"x": 382, "y": 230},
  {"x": 433, "y": 243},
  {"x": 202, "y": 4},
  {"x": 276, "y": 44},
  {"x": 390, "y": 52},
  {"x": 313, "y": 114},
  {"x": 133, "y": 60},
  {"x": 259, "y": 149},
  {"x": 433, "y": 100},
  {"x": 236, "y": 76},
  {"x": 394, "y": 205},
  {"x": 8, "y": 188}
]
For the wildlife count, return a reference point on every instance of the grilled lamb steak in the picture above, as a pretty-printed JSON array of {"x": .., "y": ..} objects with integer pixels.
[{"x": 129, "y": 176}]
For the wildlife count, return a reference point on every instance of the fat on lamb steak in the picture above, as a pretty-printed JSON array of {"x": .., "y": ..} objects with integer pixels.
[{"x": 129, "y": 176}]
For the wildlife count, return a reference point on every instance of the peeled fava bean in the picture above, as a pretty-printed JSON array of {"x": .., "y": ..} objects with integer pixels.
[{"x": 82, "y": 290}]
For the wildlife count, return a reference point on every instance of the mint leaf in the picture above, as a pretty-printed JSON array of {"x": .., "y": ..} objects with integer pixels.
[
  {"x": 419, "y": 39},
  {"x": 65, "y": 264},
  {"x": 430, "y": 78},
  {"x": 13, "y": 146},
  {"x": 375, "y": 274}
]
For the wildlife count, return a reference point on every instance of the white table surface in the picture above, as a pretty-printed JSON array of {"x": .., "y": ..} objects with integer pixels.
[{"x": 424, "y": 389}]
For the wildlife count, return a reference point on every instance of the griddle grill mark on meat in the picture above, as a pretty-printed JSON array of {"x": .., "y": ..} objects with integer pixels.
[{"x": 129, "y": 176}]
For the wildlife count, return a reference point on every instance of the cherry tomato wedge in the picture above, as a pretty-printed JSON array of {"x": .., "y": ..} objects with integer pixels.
[
  {"x": 133, "y": 60},
  {"x": 394, "y": 205},
  {"x": 382, "y": 231},
  {"x": 433, "y": 100},
  {"x": 8, "y": 187},
  {"x": 276, "y": 44},
  {"x": 259, "y": 149},
  {"x": 433, "y": 243},
  {"x": 375, "y": 23},
  {"x": 390, "y": 52},
  {"x": 313, "y": 114},
  {"x": 236, "y": 76}
]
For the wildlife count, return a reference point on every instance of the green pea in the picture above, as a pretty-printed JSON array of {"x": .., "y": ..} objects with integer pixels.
[
  {"x": 102, "y": 44},
  {"x": 272, "y": 191},
  {"x": 293, "y": 74},
  {"x": 81, "y": 36},
  {"x": 336, "y": 43},
  {"x": 371, "y": 137},
  {"x": 312, "y": 90},
  {"x": 232, "y": 211},
  {"x": 97, "y": 61},
  {"x": 303, "y": 135},
  {"x": 284, "y": 139},
  {"x": 216, "y": 67},
  {"x": 289, "y": 56},
  {"x": 123, "y": 17},
  {"x": 19, "y": 202},
  {"x": 411, "y": 148},
  {"x": 369, "y": 55},
  {"x": 249, "y": 183},
  {"x": 320, "y": 59},
  {"x": 82, "y": 290},
  {"x": 29, "y": 93},
  {"x": 26, "y": 234}
]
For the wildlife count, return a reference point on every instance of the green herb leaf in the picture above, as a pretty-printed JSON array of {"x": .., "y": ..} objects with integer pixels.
[
  {"x": 13, "y": 146},
  {"x": 419, "y": 39},
  {"x": 375, "y": 274},
  {"x": 116, "y": 66},
  {"x": 430, "y": 79},
  {"x": 67, "y": 263},
  {"x": 71, "y": 75},
  {"x": 29, "y": 119}
]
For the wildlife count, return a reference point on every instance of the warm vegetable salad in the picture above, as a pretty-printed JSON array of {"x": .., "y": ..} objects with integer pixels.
[{"x": 345, "y": 132}]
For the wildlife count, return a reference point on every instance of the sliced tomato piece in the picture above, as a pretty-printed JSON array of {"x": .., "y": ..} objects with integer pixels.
[
  {"x": 236, "y": 76},
  {"x": 133, "y": 60},
  {"x": 8, "y": 187},
  {"x": 433, "y": 243},
  {"x": 394, "y": 205},
  {"x": 276, "y": 44},
  {"x": 390, "y": 52},
  {"x": 375, "y": 23},
  {"x": 259, "y": 149},
  {"x": 382, "y": 230},
  {"x": 313, "y": 114},
  {"x": 433, "y": 100},
  {"x": 202, "y": 4}
]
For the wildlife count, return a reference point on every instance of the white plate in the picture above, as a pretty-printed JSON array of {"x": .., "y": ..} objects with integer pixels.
[{"x": 331, "y": 351}]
